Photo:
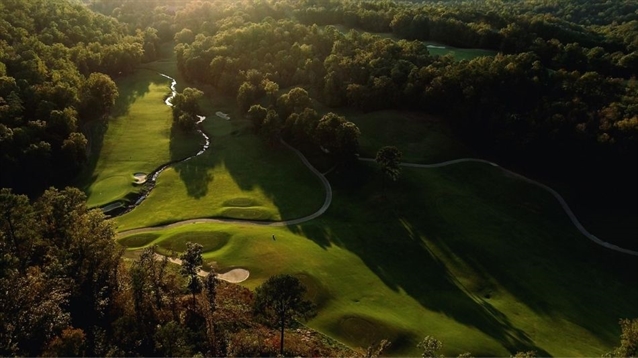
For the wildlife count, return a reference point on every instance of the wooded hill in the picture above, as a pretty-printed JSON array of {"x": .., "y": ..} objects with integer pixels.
[{"x": 561, "y": 88}]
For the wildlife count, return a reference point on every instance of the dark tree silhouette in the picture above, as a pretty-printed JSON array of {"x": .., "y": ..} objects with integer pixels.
[
  {"x": 280, "y": 300},
  {"x": 191, "y": 263},
  {"x": 389, "y": 158}
]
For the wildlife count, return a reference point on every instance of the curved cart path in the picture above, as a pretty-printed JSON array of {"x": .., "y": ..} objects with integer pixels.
[
  {"x": 558, "y": 197},
  {"x": 328, "y": 189}
]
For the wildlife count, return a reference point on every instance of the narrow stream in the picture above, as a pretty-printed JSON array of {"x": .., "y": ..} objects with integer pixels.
[{"x": 151, "y": 178}]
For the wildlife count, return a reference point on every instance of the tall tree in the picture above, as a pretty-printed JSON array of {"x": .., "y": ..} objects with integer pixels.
[
  {"x": 191, "y": 264},
  {"x": 628, "y": 339},
  {"x": 347, "y": 141},
  {"x": 389, "y": 159},
  {"x": 430, "y": 346},
  {"x": 281, "y": 300},
  {"x": 186, "y": 108},
  {"x": 98, "y": 95}
]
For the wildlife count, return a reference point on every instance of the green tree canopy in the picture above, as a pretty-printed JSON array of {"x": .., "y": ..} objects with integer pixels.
[
  {"x": 389, "y": 159},
  {"x": 280, "y": 300}
]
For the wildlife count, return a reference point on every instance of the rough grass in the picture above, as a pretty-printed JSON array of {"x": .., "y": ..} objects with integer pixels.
[{"x": 137, "y": 138}]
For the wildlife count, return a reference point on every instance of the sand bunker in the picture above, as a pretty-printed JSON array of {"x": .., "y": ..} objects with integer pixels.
[
  {"x": 222, "y": 115},
  {"x": 235, "y": 275},
  {"x": 140, "y": 178}
]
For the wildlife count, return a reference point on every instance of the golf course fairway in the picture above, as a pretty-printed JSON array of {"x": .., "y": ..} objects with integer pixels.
[
  {"x": 478, "y": 258},
  {"x": 138, "y": 139},
  {"x": 491, "y": 266}
]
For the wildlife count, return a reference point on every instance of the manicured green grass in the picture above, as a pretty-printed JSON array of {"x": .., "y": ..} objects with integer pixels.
[
  {"x": 482, "y": 261},
  {"x": 223, "y": 182},
  {"x": 458, "y": 53},
  {"x": 137, "y": 139},
  {"x": 139, "y": 240},
  {"x": 240, "y": 177},
  {"x": 420, "y": 138}
]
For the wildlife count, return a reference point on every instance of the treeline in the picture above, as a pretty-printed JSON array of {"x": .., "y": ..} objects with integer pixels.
[
  {"x": 549, "y": 98},
  {"x": 56, "y": 63},
  {"x": 67, "y": 292}
]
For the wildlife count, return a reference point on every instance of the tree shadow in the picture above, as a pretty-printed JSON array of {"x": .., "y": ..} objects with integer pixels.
[
  {"x": 405, "y": 240},
  {"x": 193, "y": 170},
  {"x": 130, "y": 89},
  {"x": 254, "y": 165}
]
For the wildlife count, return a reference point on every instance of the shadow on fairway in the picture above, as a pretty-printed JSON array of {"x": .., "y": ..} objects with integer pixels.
[
  {"x": 194, "y": 172},
  {"x": 253, "y": 165},
  {"x": 130, "y": 89},
  {"x": 410, "y": 236}
]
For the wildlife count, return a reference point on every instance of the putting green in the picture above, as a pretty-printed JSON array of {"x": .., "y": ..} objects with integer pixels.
[
  {"x": 139, "y": 240},
  {"x": 210, "y": 240},
  {"x": 107, "y": 189}
]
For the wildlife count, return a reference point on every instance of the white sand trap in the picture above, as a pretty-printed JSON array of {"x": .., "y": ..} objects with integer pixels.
[
  {"x": 140, "y": 178},
  {"x": 235, "y": 275},
  {"x": 223, "y": 115}
]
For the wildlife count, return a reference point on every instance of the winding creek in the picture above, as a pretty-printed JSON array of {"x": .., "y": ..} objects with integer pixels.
[{"x": 151, "y": 178}]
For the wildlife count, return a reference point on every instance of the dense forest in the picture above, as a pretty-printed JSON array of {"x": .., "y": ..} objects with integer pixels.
[
  {"x": 556, "y": 90},
  {"x": 66, "y": 292},
  {"x": 56, "y": 63},
  {"x": 562, "y": 87}
]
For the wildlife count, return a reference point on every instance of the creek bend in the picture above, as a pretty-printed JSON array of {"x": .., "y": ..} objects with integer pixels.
[{"x": 113, "y": 209}]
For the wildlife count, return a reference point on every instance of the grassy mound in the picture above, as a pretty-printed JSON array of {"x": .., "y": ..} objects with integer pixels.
[
  {"x": 239, "y": 202},
  {"x": 138, "y": 240},
  {"x": 210, "y": 240}
]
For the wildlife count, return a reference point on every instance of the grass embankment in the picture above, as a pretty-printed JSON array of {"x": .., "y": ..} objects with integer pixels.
[
  {"x": 489, "y": 265},
  {"x": 138, "y": 138}
]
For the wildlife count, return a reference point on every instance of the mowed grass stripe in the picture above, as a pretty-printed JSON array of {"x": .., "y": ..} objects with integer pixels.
[{"x": 138, "y": 139}]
